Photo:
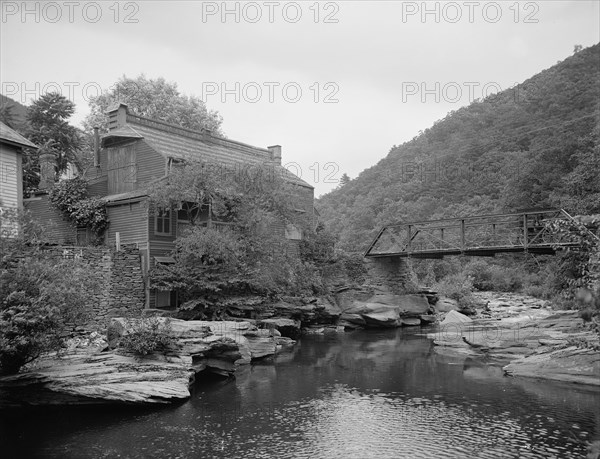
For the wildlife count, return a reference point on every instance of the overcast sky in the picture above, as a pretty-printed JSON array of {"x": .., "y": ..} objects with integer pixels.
[{"x": 337, "y": 84}]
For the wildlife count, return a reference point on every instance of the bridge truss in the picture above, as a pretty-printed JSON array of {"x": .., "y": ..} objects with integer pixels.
[{"x": 481, "y": 235}]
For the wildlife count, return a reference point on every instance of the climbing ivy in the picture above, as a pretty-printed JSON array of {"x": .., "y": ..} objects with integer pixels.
[{"x": 70, "y": 197}]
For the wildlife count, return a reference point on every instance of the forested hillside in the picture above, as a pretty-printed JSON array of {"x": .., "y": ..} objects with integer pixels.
[{"x": 535, "y": 145}]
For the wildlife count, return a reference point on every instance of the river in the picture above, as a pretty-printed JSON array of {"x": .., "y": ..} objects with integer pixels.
[{"x": 364, "y": 394}]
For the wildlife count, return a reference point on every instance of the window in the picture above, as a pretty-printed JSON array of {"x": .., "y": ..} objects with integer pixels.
[
  {"x": 163, "y": 299},
  {"x": 162, "y": 222}
]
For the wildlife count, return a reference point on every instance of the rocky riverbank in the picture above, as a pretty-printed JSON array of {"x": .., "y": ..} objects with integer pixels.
[
  {"x": 522, "y": 334},
  {"x": 95, "y": 370},
  {"x": 526, "y": 336}
]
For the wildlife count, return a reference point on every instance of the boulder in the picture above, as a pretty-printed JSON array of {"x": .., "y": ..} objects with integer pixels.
[
  {"x": 408, "y": 305},
  {"x": 427, "y": 318},
  {"x": 351, "y": 320},
  {"x": 454, "y": 317},
  {"x": 373, "y": 315},
  {"x": 446, "y": 305}
]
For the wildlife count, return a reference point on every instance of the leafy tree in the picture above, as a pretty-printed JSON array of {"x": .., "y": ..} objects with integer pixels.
[
  {"x": 48, "y": 127},
  {"x": 157, "y": 99},
  {"x": 7, "y": 116},
  {"x": 582, "y": 185},
  {"x": 344, "y": 179},
  {"x": 233, "y": 246},
  {"x": 40, "y": 296}
]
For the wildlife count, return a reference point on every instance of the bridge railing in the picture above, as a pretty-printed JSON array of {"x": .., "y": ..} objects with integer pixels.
[{"x": 484, "y": 233}]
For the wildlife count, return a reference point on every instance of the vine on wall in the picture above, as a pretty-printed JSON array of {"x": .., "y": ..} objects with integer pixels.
[{"x": 70, "y": 197}]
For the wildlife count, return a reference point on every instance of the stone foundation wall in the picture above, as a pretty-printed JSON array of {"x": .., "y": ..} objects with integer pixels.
[{"x": 122, "y": 292}]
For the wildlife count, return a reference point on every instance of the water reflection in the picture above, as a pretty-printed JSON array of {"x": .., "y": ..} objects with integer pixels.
[{"x": 380, "y": 394}]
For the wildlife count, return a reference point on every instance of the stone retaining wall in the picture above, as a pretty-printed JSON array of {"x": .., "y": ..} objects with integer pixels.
[{"x": 122, "y": 292}]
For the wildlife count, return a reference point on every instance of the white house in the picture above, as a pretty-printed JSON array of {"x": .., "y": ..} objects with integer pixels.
[{"x": 11, "y": 167}]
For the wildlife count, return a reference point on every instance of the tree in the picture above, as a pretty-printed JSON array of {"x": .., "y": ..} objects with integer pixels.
[
  {"x": 581, "y": 186},
  {"x": 156, "y": 99},
  {"x": 344, "y": 179},
  {"x": 48, "y": 127},
  {"x": 40, "y": 295},
  {"x": 7, "y": 116},
  {"x": 233, "y": 246}
]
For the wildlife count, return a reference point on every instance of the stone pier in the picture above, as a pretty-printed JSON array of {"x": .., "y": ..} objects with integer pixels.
[{"x": 390, "y": 273}]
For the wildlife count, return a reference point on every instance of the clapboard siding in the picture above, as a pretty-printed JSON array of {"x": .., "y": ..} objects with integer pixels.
[
  {"x": 128, "y": 220},
  {"x": 98, "y": 187},
  {"x": 159, "y": 246},
  {"x": 10, "y": 189},
  {"x": 151, "y": 165},
  {"x": 122, "y": 169},
  {"x": 56, "y": 228}
]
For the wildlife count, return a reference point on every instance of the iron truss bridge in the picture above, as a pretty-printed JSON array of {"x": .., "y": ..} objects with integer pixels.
[{"x": 481, "y": 235}]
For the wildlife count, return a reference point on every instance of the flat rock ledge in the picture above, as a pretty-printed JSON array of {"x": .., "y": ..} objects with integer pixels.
[
  {"x": 97, "y": 375},
  {"x": 571, "y": 364},
  {"x": 527, "y": 337}
]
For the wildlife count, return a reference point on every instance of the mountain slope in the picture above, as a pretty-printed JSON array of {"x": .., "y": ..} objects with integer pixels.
[{"x": 530, "y": 146}]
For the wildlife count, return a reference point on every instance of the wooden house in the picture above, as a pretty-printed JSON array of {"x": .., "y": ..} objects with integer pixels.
[
  {"x": 137, "y": 151},
  {"x": 11, "y": 167}
]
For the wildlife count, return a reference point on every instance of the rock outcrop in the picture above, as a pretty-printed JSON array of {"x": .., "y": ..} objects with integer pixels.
[
  {"x": 526, "y": 336},
  {"x": 570, "y": 364},
  {"x": 93, "y": 374},
  {"x": 384, "y": 310}
]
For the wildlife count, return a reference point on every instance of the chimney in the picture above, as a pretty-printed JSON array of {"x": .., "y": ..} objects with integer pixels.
[
  {"x": 96, "y": 147},
  {"x": 275, "y": 153},
  {"x": 47, "y": 170},
  {"x": 117, "y": 116}
]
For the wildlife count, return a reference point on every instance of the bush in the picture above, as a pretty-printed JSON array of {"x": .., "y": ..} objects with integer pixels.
[
  {"x": 148, "y": 335},
  {"x": 71, "y": 198},
  {"x": 458, "y": 287},
  {"x": 40, "y": 298}
]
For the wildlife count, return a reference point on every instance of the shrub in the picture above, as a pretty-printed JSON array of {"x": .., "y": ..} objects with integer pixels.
[
  {"x": 40, "y": 298},
  {"x": 71, "y": 198},
  {"x": 65, "y": 195},
  {"x": 148, "y": 335},
  {"x": 458, "y": 287}
]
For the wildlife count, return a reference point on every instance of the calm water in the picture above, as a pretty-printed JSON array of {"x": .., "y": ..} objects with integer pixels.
[{"x": 382, "y": 394}]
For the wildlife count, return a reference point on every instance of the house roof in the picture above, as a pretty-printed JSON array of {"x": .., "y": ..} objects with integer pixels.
[
  {"x": 183, "y": 144},
  {"x": 116, "y": 135},
  {"x": 135, "y": 195},
  {"x": 12, "y": 137}
]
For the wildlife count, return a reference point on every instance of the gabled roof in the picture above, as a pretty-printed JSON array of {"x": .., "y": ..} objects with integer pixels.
[
  {"x": 184, "y": 144},
  {"x": 12, "y": 137}
]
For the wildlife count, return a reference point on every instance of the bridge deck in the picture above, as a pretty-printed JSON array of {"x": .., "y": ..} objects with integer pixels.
[{"x": 482, "y": 235}]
